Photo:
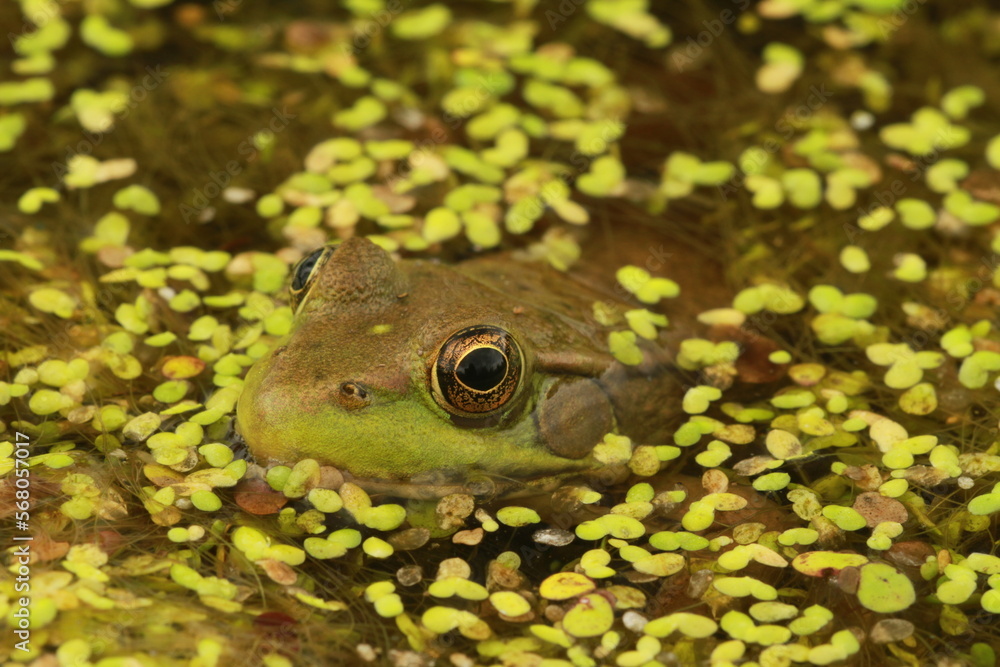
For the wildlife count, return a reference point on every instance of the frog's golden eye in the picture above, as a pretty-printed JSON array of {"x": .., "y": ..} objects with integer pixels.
[
  {"x": 476, "y": 371},
  {"x": 305, "y": 271}
]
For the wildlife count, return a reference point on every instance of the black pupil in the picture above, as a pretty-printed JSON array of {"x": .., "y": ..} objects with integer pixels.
[
  {"x": 482, "y": 369},
  {"x": 305, "y": 268}
]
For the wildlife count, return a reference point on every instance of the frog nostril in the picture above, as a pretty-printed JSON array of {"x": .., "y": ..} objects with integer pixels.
[
  {"x": 355, "y": 390},
  {"x": 353, "y": 396}
]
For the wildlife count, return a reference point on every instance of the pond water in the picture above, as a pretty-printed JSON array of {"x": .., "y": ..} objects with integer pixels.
[{"x": 672, "y": 341}]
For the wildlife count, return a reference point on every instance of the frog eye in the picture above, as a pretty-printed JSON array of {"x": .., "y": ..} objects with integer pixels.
[
  {"x": 305, "y": 271},
  {"x": 477, "y": 371}
]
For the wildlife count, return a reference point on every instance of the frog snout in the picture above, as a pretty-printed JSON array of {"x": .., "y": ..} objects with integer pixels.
[{"x": 353, "y": 396}]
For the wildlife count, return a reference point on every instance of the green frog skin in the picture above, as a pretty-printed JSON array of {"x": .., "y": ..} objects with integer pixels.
[{"x": 420, "y": 378}]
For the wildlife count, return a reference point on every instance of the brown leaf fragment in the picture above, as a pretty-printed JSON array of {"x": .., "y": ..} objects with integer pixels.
[
  {"x": 410, "y": 538},
  {"x": 279, "y": 573},
  {"x": 912, "y": 553},
  {"x": 257, "y": 497},
  {"x": 866, "y": 476},
  {"x": 876, "y": 508},
  {"x": 891, "y": 630},
  {"x": 753, "y": 465},
  {"x": 468, "y": 537}
]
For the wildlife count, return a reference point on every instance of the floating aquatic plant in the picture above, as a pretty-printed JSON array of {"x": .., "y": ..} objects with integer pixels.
[{"x": 124, "y": 370}]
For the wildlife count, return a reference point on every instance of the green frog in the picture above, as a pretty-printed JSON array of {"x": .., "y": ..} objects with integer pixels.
[{"x": 419, "y": 378}]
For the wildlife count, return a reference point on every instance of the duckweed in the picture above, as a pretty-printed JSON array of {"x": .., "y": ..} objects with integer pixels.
[
  {"x": 855, "y": 259},
  {"x": 880, "y": 403},
  {"x": 377, "y": 547},
  {"x": 591, "y": 616}
]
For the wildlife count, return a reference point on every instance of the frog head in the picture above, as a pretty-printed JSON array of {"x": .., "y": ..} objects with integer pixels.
[{"x": 414, "y": 374}]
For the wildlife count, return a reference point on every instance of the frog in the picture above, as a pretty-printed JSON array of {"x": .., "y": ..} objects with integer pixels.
[{"x": 493, "y": 375}]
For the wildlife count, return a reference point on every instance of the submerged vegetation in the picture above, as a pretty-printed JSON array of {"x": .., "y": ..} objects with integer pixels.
[{"x": 165, "y": 163}]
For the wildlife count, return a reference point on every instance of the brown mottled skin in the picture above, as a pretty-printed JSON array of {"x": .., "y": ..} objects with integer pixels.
[{"x": 351, "y": 384}]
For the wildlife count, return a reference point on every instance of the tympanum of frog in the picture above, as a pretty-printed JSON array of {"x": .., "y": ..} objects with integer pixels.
[{"x": 415, "y": 375}]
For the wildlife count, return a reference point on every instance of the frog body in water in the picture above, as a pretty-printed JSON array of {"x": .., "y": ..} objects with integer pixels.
[{"x": 419, "y": 378}]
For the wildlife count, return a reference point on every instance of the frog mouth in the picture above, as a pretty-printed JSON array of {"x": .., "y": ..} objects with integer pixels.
[{"x": 481, "y": 486}]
